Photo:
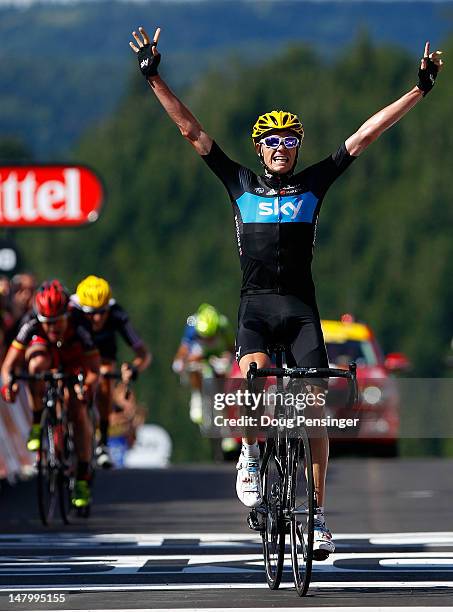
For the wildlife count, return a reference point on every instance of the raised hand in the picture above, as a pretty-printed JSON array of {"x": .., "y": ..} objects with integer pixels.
[
  {"x": 148, "y": 61},
  {"x": 147, "y": 54},
  {"x": 430, "y": 65}
]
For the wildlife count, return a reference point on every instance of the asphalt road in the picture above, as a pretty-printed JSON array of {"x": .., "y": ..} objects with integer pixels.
[{"x": 177, "y": 539}]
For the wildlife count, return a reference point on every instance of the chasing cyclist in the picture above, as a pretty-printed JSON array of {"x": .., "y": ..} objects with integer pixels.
[
  {"x": 52, "y": 337},
  {"x": 207, "y": 342},
  {"x": 275, "y": 215},
  {"x": 93, "y": 297}
]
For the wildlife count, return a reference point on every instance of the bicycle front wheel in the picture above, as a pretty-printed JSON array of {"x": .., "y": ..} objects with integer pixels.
[
  {"x": 302, "y": 512},
  {"x": 66, "y": 480},
  {"x": 273, "y": 533},
  {"x": 47, "y": 474}
]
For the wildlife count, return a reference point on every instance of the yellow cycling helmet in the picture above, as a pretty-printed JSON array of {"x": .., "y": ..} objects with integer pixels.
[
  {"x": 93, "y": 293},
  {"x": 277, "y": 120},
  {"x": 207, "y": 321}
]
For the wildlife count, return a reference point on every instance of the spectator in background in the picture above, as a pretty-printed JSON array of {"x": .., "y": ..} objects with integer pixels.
[
  {"x": 6, "y": 320},
  {"x": 5, "y": 289},
  {"x": 23, "y": 287}
]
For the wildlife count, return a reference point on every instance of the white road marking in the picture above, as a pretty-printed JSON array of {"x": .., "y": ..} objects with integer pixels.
[
  {"x": 434, "y": 538},
  {"x": 421, "y": 494},
  {"x": 223, "y": 586},
  {"x": 218, "y": 538},
  {"x": 201, "y": 560},
  {"x": 206, "y": 564},
  {"x": 205, "y": 540},
  {"x": 422, "y": 562}
]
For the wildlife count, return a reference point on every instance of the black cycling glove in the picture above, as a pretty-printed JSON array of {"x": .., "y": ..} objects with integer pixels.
[
  {"x": 427, "y": 76},
  {"x": 147, "y": 61}
]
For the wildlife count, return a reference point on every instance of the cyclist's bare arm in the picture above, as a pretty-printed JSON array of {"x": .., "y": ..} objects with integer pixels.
[
  {"x": 141, "y": 361},
  {"x": 388, "y": 116},
  {"x": 91, "y": 365},
  {"x": 180, "y": 359},
  {"x": 188, "y": 125},
  {"x": 13, "y": 358},
  {"x": 3, "y": 346},
  {"x": 182, "y": 352},
  {"x": 142, "y": 358}
]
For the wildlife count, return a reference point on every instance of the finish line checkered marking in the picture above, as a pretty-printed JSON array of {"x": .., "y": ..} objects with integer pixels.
[
  {"x": 79, "y": 563},
  {"x": 74, "y": 540}
]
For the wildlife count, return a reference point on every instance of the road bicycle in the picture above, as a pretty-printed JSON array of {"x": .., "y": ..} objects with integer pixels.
[
  {"x": 56, "y": 459},
  {"x": 289, "y": 499}
]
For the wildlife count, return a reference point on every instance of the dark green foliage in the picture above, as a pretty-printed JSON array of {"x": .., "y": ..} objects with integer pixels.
[
  {"x": 166, "y": 241},
  {"x": 63, "y": 68}
]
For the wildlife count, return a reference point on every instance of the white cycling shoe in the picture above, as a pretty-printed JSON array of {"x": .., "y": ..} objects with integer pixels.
[
  {"x": 248, "y": 482},
  {"x": 323, "y": 544}
]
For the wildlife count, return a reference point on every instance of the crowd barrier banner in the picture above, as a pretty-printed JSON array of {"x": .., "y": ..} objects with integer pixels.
[{"x": 15, "y": 420}]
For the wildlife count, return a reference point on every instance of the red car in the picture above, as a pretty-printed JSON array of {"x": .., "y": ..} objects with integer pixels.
[
  {"x": 378, "y": 409},
  {"x": 377, "y": 429}
]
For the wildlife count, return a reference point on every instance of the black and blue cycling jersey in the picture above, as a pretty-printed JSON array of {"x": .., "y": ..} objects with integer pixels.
[
  {"x": 116, "y": 323},
  {"x": 275, "y": 221}
]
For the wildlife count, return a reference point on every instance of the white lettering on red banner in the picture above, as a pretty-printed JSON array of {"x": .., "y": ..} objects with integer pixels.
[{"x": 49, "y": 195}]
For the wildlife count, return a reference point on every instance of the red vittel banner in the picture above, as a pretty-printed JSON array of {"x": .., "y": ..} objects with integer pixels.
[{"x": 49, "y": 195}]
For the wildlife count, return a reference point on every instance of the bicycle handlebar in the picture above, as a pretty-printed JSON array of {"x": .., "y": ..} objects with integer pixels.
[
  {"x": 255, "y": 372},
  {"x": 111, "y": 375},
  {"x": 117, "y": 376},
  {"x": 49, "y": 377},
  {"x": 350, "y": 375}
]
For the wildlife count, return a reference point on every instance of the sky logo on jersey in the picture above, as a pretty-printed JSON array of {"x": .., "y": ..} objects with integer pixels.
[{"x": 287, "y": 209}]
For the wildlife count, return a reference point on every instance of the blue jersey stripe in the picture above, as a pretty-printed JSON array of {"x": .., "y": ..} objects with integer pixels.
[{"x": 284, "y": 209}]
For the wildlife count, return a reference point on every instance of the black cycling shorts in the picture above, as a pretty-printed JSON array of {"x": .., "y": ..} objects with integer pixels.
[{"x": 268, "y": 319}]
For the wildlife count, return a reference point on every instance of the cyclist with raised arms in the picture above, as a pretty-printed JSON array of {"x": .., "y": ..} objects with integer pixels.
[
  {"x": 52, "y": 337},
  {"x": 275, "y": 215},
  {"x": 93, "y": 297}
]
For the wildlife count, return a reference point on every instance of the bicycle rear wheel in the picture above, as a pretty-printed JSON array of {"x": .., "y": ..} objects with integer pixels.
[
  {"x": 273, "y": 533},
  {"x": 302, "y": 511},
  {"x": 47, "y": 474}
]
